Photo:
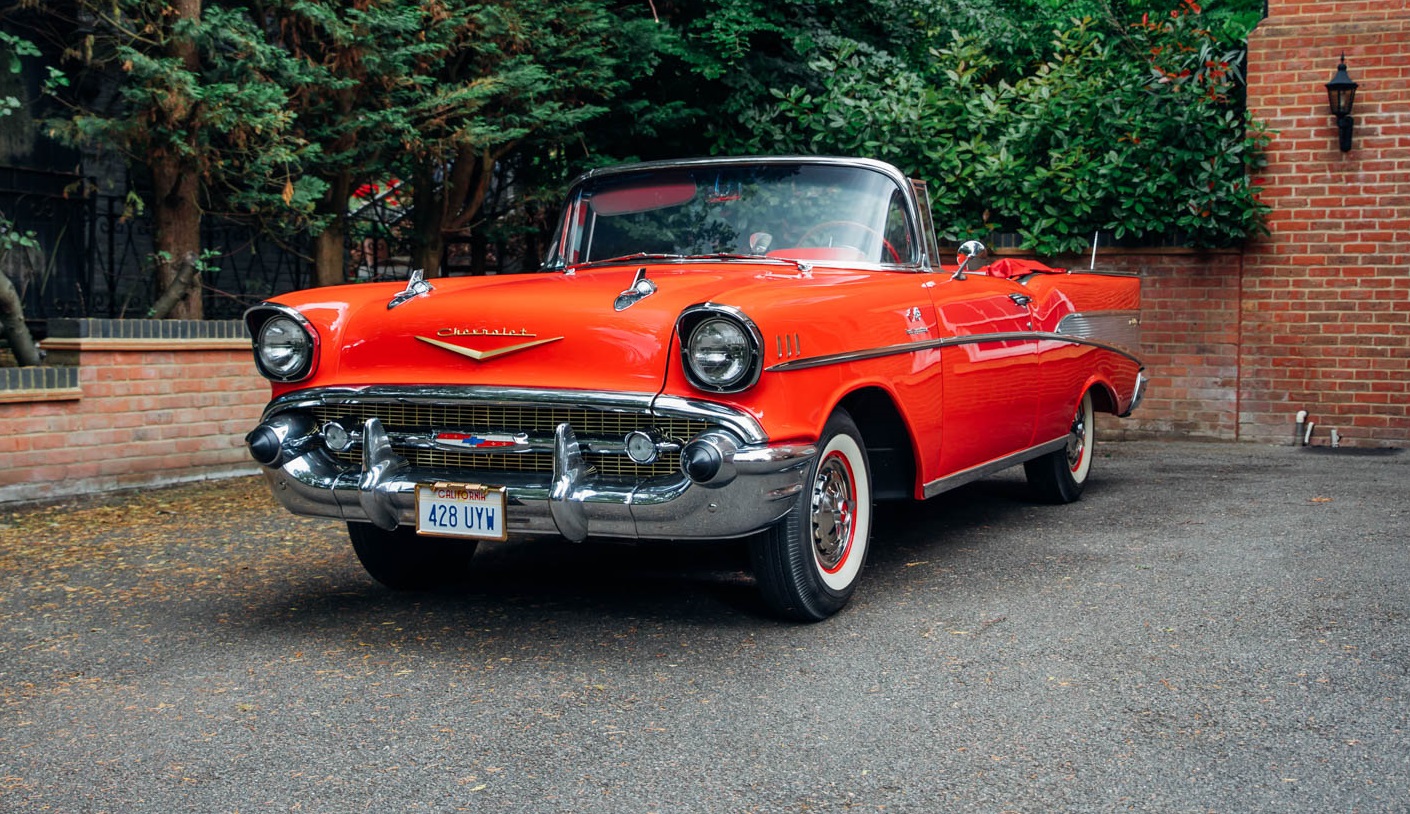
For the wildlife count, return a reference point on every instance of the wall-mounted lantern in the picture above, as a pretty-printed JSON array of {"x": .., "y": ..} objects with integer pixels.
[{"x": 1341, "y": 93}]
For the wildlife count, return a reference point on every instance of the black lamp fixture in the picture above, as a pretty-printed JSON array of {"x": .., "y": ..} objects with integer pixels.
[{"x": 1341, "y": 92}]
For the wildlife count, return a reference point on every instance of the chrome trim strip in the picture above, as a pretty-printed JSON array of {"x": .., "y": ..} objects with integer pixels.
[
  {"x": 952, "y": 341},
  {"x": 1117, "y": 349},
  {"x": 1104, "y": 272},
  {"x": 741, "y": 423},
  {"x": 949, "y": 482},
  {"x": 746, "y": 426}
]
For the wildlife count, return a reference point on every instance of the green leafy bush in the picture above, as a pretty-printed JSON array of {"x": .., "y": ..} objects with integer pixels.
[{"x": 1136, "y": 133}]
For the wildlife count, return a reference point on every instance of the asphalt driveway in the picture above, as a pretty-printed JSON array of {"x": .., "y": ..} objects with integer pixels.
[{"x": 1212, "y": 628}]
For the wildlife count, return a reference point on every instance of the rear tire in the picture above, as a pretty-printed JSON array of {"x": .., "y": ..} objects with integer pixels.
[
  {"x": 807, "y": 565},
  {"x": 403, "y": 560},
  {"x": 1060, "y": 476}
]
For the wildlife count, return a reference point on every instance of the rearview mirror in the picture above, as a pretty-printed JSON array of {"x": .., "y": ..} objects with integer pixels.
[{"x": 972, "y": 256}]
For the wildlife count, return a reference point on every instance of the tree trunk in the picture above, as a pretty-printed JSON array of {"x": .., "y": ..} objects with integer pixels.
[
  {"x": 330, "y": 245},
  {"x": 175, "y": 293},
  {"x": 176, "y": 226},
  {"x": 13, "y": 326},
  {"x": 176, "y": 216},
  {"x": 427, "y": 215}
]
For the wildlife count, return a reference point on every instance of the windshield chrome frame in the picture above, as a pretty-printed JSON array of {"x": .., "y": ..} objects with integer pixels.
[{"x": 925, "y": 244}]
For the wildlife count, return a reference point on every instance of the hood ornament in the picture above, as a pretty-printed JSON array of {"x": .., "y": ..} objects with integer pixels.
[
  {"x": 416, "y": 285},
  {"x": 640, "y": 289}
]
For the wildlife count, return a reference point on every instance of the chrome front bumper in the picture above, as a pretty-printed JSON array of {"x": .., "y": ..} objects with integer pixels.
[{"x": 753, "y": 486}]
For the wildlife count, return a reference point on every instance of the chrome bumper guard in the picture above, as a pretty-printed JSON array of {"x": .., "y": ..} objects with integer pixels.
[
  {"x": 1138, "y": 393},
  {"x": 754, "y": 487}
]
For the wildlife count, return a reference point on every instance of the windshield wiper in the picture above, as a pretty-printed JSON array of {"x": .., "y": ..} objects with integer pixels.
[
  {"x": 802, "y": 266},
  {"x": 630, "y": 258},
  {"x": 646, "y": 256}
]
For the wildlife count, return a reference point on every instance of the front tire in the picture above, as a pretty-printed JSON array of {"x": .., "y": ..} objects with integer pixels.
[
  {"x": 807, "y": 565},
  {"x": 1060, "y": 476},
  {"x": 403, "y": 560}
]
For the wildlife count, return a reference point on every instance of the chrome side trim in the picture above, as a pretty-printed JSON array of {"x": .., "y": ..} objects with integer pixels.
[
  {"x": 741, "y": 423},
  {"x": 1104, "y": 272},
  {"x": 949, "y": 482},
  {"x": 953, "y": 341}
]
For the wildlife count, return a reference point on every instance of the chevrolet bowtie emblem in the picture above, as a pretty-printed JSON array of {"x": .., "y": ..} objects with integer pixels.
[{"x": 482, "y": 355}]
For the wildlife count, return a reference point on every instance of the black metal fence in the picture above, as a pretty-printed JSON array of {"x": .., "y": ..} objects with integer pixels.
[
  {"x": 51, "y": 276},
  {"x": 93, "y": 259}
]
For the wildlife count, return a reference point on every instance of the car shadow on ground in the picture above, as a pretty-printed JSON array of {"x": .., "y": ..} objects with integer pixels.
[{"x": 690, "y": 583}]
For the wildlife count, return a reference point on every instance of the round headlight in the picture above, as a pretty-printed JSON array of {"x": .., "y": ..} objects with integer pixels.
[
  {"x": 720, "y": 353},
  {"x": 285, "y": 349}
]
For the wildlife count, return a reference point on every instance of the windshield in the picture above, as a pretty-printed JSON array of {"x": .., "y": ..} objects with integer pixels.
[{"x": 805, "y": 212}]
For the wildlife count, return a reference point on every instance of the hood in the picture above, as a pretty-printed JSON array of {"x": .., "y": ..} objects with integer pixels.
[{"x": 534, "y": 330}]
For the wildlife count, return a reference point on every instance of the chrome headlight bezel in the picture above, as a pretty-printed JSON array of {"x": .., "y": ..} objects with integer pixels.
[
  {"x": 285, "y": 344},
  {"x": 720, "y": 348}
]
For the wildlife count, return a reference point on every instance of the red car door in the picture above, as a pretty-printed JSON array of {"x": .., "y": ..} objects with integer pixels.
[{"x": 990, "y": 370}]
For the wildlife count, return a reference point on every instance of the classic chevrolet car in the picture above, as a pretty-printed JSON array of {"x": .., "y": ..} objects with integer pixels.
[{"x": 753, "y": 349}]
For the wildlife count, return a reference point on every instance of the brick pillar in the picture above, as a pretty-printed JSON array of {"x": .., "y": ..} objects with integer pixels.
[{"x": 1326, "y": 297}]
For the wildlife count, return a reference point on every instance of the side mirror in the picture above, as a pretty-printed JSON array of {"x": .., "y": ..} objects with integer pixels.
[{"x": 972, "y": 256}]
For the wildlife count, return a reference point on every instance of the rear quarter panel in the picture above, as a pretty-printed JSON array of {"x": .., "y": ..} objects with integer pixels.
[{"x": 1101, "y": 310}]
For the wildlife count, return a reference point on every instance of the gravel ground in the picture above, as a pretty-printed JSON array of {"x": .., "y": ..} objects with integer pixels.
[{"x": 1214, "y": 627}]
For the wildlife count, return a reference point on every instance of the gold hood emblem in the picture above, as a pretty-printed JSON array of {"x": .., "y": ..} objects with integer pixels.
[{"x": 483, "y": 355}]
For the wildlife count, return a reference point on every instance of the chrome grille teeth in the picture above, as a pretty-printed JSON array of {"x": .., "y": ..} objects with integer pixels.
[{"x": 598, "y": 425}]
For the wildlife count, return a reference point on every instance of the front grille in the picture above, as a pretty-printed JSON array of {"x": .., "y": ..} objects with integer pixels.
[{"x": 401, "y": 419}]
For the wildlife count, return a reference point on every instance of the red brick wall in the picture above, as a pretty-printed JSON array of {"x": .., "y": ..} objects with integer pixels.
[
  {"x": 1326, "y": 297},
  {"x": 1189, "y": 343},
  {"x": 146, "y": 412}
]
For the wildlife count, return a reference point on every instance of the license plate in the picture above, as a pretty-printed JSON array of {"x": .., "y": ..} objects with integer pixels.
[{"x": 460, "y": 510}]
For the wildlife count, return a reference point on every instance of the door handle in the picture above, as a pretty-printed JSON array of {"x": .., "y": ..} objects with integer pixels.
[{"x": 1021, "y": 300}]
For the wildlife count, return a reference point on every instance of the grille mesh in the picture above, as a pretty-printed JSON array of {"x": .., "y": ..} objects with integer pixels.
[{"x": 589, "y": 425}]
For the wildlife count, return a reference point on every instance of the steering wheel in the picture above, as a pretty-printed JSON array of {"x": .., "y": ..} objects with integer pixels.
[{"x": 830, "y": 224}]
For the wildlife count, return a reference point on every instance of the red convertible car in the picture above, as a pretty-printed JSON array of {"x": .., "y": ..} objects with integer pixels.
[{"x": 753, "y": 349}]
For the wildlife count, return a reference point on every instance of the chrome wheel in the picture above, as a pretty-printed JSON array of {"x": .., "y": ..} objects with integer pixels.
[
  {"x": 1079, "y": 440},
  {"x": 834, "y": 515},
  {"x": 809, "y": 563},
  {"x": 1058, "y": 477}
]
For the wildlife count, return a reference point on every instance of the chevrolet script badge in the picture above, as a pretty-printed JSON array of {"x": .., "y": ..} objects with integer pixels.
[{"x": 483, "y": 355}]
